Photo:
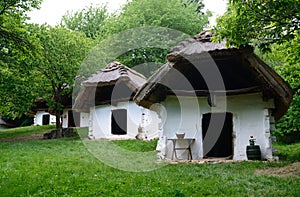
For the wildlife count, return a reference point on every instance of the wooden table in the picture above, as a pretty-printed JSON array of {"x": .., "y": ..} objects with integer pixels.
[{"x": 188, "y": 147}]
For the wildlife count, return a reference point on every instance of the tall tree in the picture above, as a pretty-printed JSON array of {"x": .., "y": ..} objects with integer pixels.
[
  {"x": 12, "y": 23},
  {"x": 17, "y": 48},
  {"x": 89, "y": 20},
  {"x": 260, "y": 22},
  {"x": 63, "y": 51},
  {"x": 180, "y": 15}
]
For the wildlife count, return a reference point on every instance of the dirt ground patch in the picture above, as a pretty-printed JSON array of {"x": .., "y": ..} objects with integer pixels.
[
  {"x": 292, "y": 170},
  {"x": 24, "y": 138}
]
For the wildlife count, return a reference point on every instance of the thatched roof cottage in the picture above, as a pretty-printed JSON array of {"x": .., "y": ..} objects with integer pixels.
[
  {"x": 218, "y": 96},
  {"x": 107, "y": 96}
]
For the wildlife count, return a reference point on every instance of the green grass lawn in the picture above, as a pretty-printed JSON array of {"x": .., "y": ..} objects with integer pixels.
[
  {"x": 289, "y": 152},
  {"x": 66, "y": 168},
  {"x": 25, "y": 131}
]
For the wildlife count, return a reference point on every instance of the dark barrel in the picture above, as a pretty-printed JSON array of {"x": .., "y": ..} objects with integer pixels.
[{"x": 253, "y": 152}]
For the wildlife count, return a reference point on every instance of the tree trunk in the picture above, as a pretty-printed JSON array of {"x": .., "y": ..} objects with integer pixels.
[{"x": 58, "y": 124}]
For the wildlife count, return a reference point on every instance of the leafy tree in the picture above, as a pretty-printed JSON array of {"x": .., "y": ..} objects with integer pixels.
[
  {"x": 16, "y": 94},
  {"x": 180, "y": 15},
  {"x": 260, "y": 22},
  {"x": 12, "y": 24},
  {"x": 62, "y": 54},
  {"x": 89, "y": 20},
  {"x": 17, "y": 48}
]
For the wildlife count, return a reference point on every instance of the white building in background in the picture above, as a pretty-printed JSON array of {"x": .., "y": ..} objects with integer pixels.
[
  {"x": 41, "y": 114},
  {"x": 69, "y": 117},
  {"x": 43, "y": 118}
]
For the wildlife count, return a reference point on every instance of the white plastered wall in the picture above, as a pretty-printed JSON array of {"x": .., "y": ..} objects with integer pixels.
[
  {"x": 251, "y": 117},
  {"x": 84, "y": 118},
  {"x": 100, "y": 121},
  {"x": 65, "y": 118},
  {"x": 38, "y": 118}
]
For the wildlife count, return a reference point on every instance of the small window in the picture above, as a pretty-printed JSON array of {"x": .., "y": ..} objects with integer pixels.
[{"x": 119, "y": 122}]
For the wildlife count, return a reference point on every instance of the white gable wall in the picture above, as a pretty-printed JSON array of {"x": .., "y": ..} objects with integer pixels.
[
  {"x": 100, "y": 121},
  {"x": 38, "y": 118},
  {"x": 250, "y": 118}
]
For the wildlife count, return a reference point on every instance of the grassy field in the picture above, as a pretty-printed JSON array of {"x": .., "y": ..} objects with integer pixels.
[
  {"x": 64, "y": 167},
  {"x": 24, "y": 131}
]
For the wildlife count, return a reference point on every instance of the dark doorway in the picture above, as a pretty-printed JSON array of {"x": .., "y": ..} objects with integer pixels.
[
  {"x": 224, "y": 145},
  {"x": 119, "y": 122},
  {"x": 73, "y": 119},
  {"x": 46, "y": 119}
]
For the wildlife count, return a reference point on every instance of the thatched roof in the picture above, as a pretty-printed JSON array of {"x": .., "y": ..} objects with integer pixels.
[
  {"x": 240, "y": 69},
  {"x": 201, "y": 43},
  {"x": 39, "y": 105},
  {"x": 114, "y": 83}
]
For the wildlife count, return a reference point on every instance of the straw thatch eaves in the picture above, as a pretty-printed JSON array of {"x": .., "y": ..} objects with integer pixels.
[
  {"x": 196, "y": 60},
  {"x": 39, "y": 105},
  {"x": 112, "y": 84}
]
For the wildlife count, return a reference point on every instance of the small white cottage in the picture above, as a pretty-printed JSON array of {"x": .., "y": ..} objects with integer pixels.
[
  {"x": 218, "y": 97},
  {"x": 107, "y": 97},
  {"x": 41, "y": 113},
  {"x": 69, "y": 117}
]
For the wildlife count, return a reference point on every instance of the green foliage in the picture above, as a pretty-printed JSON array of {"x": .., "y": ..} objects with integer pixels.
[
  {"x": 17, "y": 48},
  {"x": 288, "y": 152},
  {"x": 174, "y": 14},
  {"x": 66, "y": 168},
  {"x": 16, "y": 93},
  {"x": 61, "y": 56},
  {"x": 90, "y": 20},
  {"x": 12, "y": 29},
  {"x": 260, "y": 22}
]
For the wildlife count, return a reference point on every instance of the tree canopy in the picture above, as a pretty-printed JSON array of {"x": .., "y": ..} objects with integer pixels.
[
  {"x": 89, "y": 20},
  {"x": 181, "y": 15},
  {"x": 17, "y": 48},
  {"x": 48, "y": 58},
  {"x": 61, "y": 56},
  {"x": 12, "y": 24},
  {"x": 259, "y": 22}
]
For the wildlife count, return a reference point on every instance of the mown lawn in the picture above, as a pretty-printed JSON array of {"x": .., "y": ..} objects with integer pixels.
[
  {"x": 24, "y": 131},
  {"x": 66, "y": 168}
]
